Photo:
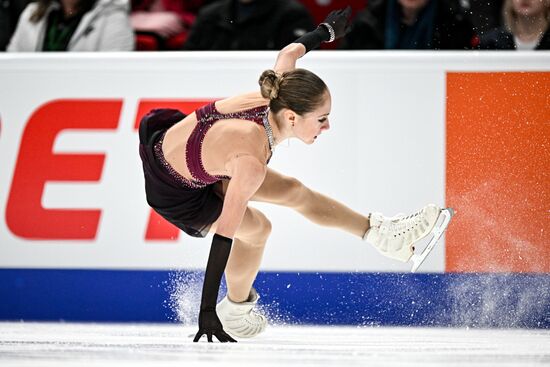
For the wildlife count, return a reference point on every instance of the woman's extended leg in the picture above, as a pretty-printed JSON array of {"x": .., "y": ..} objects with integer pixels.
[{"x": 318, "y": 208}]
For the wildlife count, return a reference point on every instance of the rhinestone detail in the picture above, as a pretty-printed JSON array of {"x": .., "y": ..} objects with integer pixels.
[
  {"x": 268, "y": 131},
  {"x": 157, "y": 148}
]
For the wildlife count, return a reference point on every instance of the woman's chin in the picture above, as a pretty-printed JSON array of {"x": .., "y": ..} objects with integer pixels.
[{"x": 308, "y": 141}]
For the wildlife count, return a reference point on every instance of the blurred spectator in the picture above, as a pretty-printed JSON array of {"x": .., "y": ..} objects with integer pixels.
[
  {"x": 74, "y": 25},
  {"x": 484, "y": 14},
  {"x": 411, "y": 24},
  {"x": 10, "y": 10},
  {"x": 163, "y": 24},
  {"x": 526, "y": 27},
  {"x": 249, "y": 25}
]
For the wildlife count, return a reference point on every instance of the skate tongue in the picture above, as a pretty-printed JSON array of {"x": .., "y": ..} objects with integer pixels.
[
  {"x": 376, "y": 219},
  {"x": 253, "y": 296}
]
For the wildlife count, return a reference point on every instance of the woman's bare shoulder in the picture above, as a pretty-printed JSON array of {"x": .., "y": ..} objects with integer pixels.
[
  {"x": 247, "y": 138},
  {"x": 241, "y": 102}
]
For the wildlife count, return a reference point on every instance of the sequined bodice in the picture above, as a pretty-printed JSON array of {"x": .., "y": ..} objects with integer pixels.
[{"x": 206, "y": 117}]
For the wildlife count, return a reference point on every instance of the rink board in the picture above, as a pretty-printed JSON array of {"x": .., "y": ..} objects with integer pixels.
[
  {"x": 467, "y": 130},
  {"x": 368, "y": 299}
]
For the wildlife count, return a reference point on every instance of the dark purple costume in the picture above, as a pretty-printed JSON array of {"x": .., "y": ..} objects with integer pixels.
[{"x": 191, "y": 205}]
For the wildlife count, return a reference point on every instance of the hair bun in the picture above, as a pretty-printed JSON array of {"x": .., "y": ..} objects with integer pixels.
[{"x": 270, "y": 83}]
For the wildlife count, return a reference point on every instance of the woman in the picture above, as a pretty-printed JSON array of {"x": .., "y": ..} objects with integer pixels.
[
  {"x": 202, "y": 170},
  {"x": 526, "y": 27},
  {"x": 74, "y": 25}
]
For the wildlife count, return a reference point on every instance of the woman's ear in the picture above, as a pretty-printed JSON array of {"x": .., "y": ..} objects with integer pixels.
[{"x": 290, "y": 116}]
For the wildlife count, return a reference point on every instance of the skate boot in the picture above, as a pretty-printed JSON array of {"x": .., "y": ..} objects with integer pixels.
[
  {"x": 239, "y": 319},
  {"x": 396, "y": 237}
]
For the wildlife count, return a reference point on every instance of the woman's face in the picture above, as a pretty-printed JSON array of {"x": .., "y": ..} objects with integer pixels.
[
  {"x": 530, "y": 8},
  {"x": 310, "y": 125}
]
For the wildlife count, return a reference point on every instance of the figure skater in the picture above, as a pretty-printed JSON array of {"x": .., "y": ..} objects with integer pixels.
[{"x": 202, "y": 170}]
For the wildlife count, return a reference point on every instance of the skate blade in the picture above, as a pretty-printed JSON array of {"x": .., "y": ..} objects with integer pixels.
[{"x": 437, "y": 232}]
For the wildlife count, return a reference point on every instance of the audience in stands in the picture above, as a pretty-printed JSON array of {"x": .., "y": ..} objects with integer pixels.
[
  {"x": 10, "y": 10},
  {"x": 105, "y": 25},
  {"x": 163, "y": 24},
  {"x": 484, "y": 14},
  {"x": 526, "y": 27},
  {"x": 74, "y": 25},
  {"x": 249, "y": 25},
  {"x": 411, "y": 24}
]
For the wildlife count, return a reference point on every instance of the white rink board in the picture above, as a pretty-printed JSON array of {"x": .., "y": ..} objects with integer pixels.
[
  {"x": 385, "y": 151},
  {"x": 61, "y": 344}
]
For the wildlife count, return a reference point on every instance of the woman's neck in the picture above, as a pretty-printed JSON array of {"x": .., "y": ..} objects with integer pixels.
[
  {"x": 530, "y": 28},
  {"x": 280, "y": 131}
]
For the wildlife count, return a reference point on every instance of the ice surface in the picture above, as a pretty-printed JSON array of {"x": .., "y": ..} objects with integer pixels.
[{"x": 71, "y": 344}]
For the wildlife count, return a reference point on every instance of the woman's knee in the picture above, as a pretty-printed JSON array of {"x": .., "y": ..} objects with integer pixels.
[
  {"x": 263, "y": 226},
  {"x": 266, "y": 228},
  {"x": 284, "y": 190},
  {"x": 295, "y": 192},
  {"x": 255, "y": 229}
]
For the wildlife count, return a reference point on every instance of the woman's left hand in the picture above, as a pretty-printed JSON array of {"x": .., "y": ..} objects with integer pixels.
[{"x": 338, "y": 20}]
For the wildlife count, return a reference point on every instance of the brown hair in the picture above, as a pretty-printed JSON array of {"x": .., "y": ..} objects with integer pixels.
[
  {"x": 298, "y": 90},
  {"x": 509, "y": 16},
  {"x": 43, "y": 5}
]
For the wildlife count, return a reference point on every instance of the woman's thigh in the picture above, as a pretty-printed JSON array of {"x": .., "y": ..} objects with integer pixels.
[
  {"x": 280, "y": 189},
  {"x": 276, "y": 189}
]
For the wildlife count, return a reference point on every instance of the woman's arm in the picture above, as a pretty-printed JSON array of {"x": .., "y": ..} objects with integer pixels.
[
  {"x": 333, "y": 27},
  {"x": 247, "y": 174},
  {"x": 286, "y": 60},
  {"x": 287, "y": 57}
]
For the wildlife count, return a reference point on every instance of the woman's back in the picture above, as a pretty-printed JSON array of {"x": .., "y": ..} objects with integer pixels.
[{"x": 198, "y": 144}]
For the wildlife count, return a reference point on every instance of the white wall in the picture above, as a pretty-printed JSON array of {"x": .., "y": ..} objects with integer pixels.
[{"x": 385, "y": 151}]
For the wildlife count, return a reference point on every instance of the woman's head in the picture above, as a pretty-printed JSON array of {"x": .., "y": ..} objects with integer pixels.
[
  {"x": 298, "y": 90},
  {"x": 513, "y": 9},
  {"x": 300, "y": 99}
]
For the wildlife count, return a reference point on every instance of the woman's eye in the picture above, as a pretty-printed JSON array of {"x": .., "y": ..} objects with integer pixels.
[{"x": 321, "y": 120}]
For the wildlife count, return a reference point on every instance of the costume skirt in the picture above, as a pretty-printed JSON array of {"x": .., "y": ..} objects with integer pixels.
[{"x": 193, "y": 210}]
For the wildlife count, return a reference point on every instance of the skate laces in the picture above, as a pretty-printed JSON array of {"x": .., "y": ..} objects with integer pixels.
[{"x": 396, "y": 225}]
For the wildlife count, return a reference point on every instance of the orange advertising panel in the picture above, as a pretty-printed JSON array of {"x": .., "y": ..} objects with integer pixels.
[{"x": 498, "y": 172}]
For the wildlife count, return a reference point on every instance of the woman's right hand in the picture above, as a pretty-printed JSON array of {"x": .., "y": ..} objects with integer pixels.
[{"x": 338, "y": 20}]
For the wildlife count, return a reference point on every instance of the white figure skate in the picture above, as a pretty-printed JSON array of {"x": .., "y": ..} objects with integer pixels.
[
  {"x": 239, "y": 319},
  {"x": 396, "y": 237}
]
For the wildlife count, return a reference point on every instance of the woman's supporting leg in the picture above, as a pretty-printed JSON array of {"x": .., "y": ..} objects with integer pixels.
[
  {"x": 246, "y": 254},
  {"x": 318, "y": 208},
  {"x": 249, "y": 242}
]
